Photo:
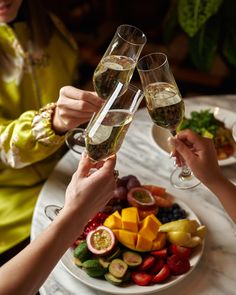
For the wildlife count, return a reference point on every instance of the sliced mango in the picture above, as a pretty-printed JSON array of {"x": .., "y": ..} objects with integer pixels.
[
  {"x": 143, "y": 244},
  {"x": 159, "y": 241},
  {"x": 127, "y": 237},
  {"x": 149, "y": 227},
  {"x": 130, "y": 219},
  {"x": 136, "y": 235},
  {"x": 113, "y": 221}
]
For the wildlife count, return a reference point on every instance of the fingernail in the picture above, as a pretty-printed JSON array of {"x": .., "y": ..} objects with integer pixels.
[
  {"x": 171, "y": 155},
  {"x": 84, "y": 155}
]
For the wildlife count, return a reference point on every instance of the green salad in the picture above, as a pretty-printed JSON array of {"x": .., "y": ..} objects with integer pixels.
[{"x": 205, "y": 124}]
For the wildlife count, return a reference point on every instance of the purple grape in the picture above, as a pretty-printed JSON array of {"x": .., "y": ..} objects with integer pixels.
[
  {"x": 133, "y": 182},
  {"x": 120, "y": 193},
  {"x": 124, "y": 180}
]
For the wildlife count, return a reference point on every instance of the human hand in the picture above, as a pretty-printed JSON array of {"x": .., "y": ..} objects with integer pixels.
[
  {"x": 74, "y": 107},
  {"x": 199, "y": 153},
  {"x": 87, "y": 193}
]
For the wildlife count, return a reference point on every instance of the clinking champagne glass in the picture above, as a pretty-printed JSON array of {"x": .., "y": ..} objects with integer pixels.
[
  {"x": 117, "y": 65},
  {"x": 165, "y": 106},
  {"x": 119, "y": 61},
  {"x": 106, "y": 129}
]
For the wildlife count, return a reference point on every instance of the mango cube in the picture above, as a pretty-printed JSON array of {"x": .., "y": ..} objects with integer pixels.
[
  {"x": 159, "y": 241},
  {"x": 113, "y": 221},
  {"x": 126, "y": 237},
  {"x": 130, "y": 219},
  {"x": 143, "y": 244},
  {"x": 149, "y": 227}
]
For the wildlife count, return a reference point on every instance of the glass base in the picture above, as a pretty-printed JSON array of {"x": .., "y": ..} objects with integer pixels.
[
  {"x": 75, "y": 140},
  {"x": 181, "y": 182},
  {"x": 51, "y": 211}
]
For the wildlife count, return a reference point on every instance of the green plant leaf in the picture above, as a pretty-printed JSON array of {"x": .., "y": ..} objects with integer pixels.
[
  {"x": 203, "y": 45},
  {"x": 228, "y": 31},
  {"x": 170, "y": 22},
  {"x": 193, "y": 14}
]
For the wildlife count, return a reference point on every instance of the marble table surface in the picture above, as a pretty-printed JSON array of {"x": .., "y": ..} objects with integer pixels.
[{"x": 215, "y": 274}]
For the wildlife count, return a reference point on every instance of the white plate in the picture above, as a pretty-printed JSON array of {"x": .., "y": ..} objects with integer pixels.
[
  {"x": 160, "y": 135},
  {"x": 104, "y": 286}
]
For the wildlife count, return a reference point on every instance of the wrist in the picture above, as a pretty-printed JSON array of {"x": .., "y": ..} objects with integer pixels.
[
  {"x": 73, "y": 222},
  {"x": 214, "y": 181}
]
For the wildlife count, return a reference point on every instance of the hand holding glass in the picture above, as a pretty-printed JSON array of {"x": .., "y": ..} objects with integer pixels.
[
  {"x": 165, "y": 105},
  {"x": 106, "y": 130}
]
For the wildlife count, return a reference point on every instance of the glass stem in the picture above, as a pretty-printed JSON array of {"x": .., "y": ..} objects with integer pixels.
[{"x": 185, "y": 170}]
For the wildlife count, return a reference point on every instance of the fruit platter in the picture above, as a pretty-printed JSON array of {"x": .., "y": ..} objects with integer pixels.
[{"x": 144, "y": 240}]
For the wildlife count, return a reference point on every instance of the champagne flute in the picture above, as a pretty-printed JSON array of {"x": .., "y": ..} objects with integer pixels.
[
  {"x": 165, "y": 106},
  {"x": 106, "y": 130},
  {"x": 116, "y": 66},
  {"x": 119, "y": 61}
]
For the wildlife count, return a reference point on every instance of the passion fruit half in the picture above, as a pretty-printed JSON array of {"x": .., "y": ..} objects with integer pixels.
[
  {"x": 141, "y": 198},
  {"x": 101, "y": 241}
]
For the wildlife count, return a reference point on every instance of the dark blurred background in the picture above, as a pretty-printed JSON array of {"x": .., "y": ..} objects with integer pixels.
[{"x": 201, "y": 49}]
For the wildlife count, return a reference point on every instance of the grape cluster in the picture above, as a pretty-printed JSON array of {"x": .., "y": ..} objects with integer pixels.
[
  {"x": 119, "y": 198},
  {"x": 175, "y": 212}
]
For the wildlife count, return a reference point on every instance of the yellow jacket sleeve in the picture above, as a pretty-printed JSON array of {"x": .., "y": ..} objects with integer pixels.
[{"x": 28, "y": 139}]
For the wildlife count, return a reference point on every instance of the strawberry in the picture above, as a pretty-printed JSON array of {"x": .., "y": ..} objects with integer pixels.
[
  {"x": 157, "y": 266},
  {"x": 160, "y": 253},
  {"x": 180, "y": 251},
  {"x": 162, "y": 275},
  {"x": 147, "y": 263},
  {"x": 141, "y": 278},
  {"x": 178, "y": 265}
]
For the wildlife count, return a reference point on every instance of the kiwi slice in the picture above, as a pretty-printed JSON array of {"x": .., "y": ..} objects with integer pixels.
[
  {"x": 132, "y": 259},
  {"x": 113, "y": 280},
  {"x": 118, "y": 268}
]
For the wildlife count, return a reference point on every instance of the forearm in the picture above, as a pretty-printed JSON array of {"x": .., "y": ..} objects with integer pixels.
[
  {"x": 30, "y": 268},
  {"x": 226, "y": 193}
]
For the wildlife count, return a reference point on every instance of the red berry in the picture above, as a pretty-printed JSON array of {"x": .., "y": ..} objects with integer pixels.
[
  {"x": 147, "y": 263},
  {"x": 141, "y": 278},
  {"x": 180, "y": 251},
  {"x": 160, "y": 253},
  {"x": 178, "y": 265},
  {"x": 157, "y": 266},
  {"x": 162, "y": 275}
]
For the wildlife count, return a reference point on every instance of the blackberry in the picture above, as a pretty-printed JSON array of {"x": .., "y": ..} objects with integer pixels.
[{"x": 175, "y": 212}]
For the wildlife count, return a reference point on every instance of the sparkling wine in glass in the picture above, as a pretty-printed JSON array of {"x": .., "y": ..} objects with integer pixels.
[
  {"x": 116, "y": 66},
  {"x": 119, "y": 61},
  {"x": 106, "y": 131},
  {"x": 165, "y": 106}
]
